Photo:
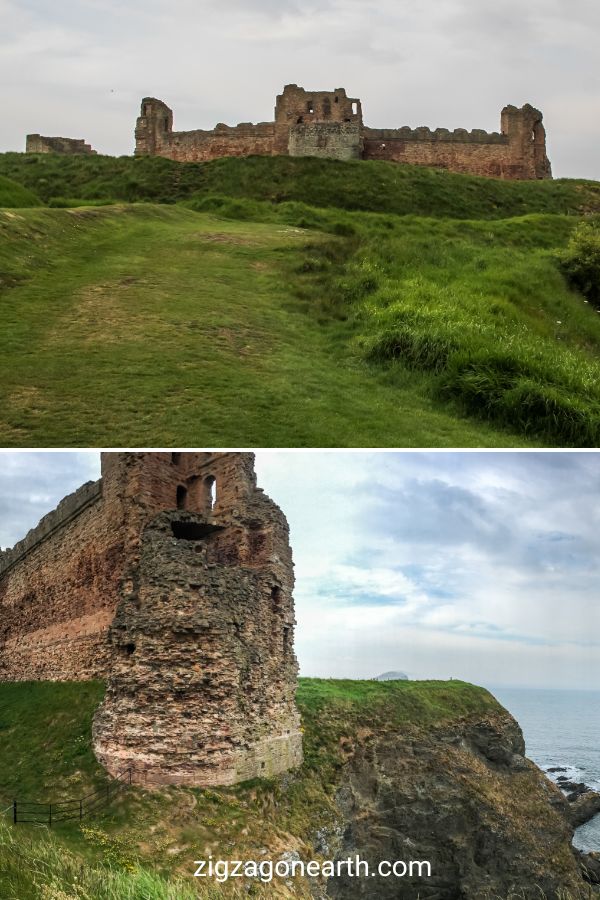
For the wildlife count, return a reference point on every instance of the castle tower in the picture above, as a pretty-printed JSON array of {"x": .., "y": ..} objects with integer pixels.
[
  {"x": 153, "y": 127},
  {"x": 317, "y": 123},
  {"x": 527, "y": 137},
  {"x": 202, "y": 684}
]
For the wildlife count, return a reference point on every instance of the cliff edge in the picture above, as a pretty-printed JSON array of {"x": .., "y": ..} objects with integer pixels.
[{"x": 400, "y": 770}]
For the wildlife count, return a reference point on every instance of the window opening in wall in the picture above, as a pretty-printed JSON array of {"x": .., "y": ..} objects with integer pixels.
[
  {"x": 211, "y": 490},
  {"x": 175, "y": 458},
  {"x": 145, "y": 110},
  {"x": 193, "y": 531},
  {"x": 166, "y": 124},
  {"x": 354, "y": 109},
  {"x": 299, "y": 120},
  {"x": 276, "y": 597},
  {"x": 310, "y": 106},
  {"x": 326, "y": 107},
  {"x": 181, "y": 496},
  {"x": 336, "y": 100},
  {"x": 129, "y": 649}
]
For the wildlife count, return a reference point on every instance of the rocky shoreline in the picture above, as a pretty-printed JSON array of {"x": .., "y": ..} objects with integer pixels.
[{"x": 583, "y": 803}]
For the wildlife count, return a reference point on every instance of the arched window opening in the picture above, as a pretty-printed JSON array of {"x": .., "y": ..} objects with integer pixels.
[
  {"x": 276, "y": 598},
  {"x": 354, "y": 109},
  {"x": 130, "y": 649},
  {"x": 310, "y": 106},
  {"x": 175, "y": 458},
  {"x": 166, "y": 124},
  {"x": 210, "y": 484},
  {"x": 181, "y": 496}
]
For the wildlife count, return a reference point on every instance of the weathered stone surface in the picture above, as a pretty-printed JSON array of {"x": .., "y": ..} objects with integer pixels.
[
  {"x": 330, "y": 124},
  {"x": 335, "y": 140},
  {"x": 37, "y": 143},
  {"x": 182, "y": 601},
  {"x": 463, "y": 797},
  {"x": 583, "y": 808}
]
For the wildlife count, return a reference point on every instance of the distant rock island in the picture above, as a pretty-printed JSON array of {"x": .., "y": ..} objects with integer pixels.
[{"x": 391, "y": 676}]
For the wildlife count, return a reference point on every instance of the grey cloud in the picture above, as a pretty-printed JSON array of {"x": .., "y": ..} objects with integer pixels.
[
  {"x": 31, "y": 484},
  {"x": 84, "y": 67}
]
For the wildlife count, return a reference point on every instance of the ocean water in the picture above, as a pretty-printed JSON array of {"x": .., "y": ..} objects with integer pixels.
[{"x": 561, "y": 728}]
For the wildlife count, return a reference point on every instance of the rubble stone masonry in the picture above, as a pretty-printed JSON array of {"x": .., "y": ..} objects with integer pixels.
[
  {"x": 172, "y": 579},
  {"x": 330, "y": 124},
  {"x": 37, "y": 143}
]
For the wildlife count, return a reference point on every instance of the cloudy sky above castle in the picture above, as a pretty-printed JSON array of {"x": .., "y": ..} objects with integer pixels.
[
  {"x": 80, "y": 69},
  {"x": 482, "y": 566}
]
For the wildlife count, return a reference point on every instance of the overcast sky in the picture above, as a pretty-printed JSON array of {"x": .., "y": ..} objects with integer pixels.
[
  {"x": 79, "y": 68},
  {"x": 482, "y": 566}
]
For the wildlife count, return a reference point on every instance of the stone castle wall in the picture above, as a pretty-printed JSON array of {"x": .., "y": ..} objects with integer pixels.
[
  {"x": 330, "y": 124},
  {"x": 58, "y": 591},
  {"x": 37, "y": 143},
  {"x": 172, "y": 579}
]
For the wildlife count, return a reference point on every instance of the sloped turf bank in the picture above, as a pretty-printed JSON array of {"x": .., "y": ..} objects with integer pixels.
[
  {"x": 14, "y": 195},
  {"x": 358, "y": 185},
  {"x": 137, "y": 324},
  {"x": 481, "y": 307}
]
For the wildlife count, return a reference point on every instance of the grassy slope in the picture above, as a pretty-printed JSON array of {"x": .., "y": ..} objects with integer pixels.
[
  {"x": 367, "y": 186},
  {"x": 440, "y": 298},
  {"x": 153, "y": 325},
  {"x": 148, "y": 831},
  {"x": 13, "y": 194}
]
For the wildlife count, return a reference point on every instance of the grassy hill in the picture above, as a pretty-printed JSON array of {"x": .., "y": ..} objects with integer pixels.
[
  {"x": 292, "y": 302},
  {"x": 143, "y": 844},
  {"x": 13, "y": 194}
]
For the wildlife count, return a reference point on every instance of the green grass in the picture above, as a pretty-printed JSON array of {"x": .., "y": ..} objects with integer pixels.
[
  {"x": 45, "y": 751},
  {"x": 156, "y": 325},
  {"x": 16, "y": 195},
  {"x": 292, "y": 302},
  {"x": 367, "y": 186},
  {"x": 145, "y": 842}
]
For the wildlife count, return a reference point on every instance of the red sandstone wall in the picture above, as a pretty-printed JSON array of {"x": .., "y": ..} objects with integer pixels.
[
  {"x": 59, "y": 586},
  {"x": 58, "y": 599},
  {"x": 497, "y": 160},
  {"x": 323, "y": 123},
  {"x": 200, "y": 146}
]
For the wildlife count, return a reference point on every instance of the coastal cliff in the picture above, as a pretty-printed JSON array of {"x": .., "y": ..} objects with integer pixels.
[
  {"x": 456, "y": 791},
  {"x": 412, "y": 771}
]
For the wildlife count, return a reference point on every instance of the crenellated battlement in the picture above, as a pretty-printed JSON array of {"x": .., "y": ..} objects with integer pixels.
[
  {"x": 423, "y": 133},
  {"x": 67, "y": 510}
]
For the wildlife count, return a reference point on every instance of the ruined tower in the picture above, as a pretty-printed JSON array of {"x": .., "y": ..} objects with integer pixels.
[{"x": 171, "y": 577}]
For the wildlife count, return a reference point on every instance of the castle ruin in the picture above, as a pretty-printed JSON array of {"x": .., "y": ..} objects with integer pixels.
[
  {"x": 171, "y": 578},
  {"x": 37, "y": 143},
  {"x": 330, "y": 124}
]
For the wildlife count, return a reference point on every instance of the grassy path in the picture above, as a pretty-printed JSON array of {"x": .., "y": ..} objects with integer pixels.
[{"x": 157, "y": 326}]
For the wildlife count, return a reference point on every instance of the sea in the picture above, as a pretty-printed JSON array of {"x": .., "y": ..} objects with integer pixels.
[{"x": 561, "y": 728}]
